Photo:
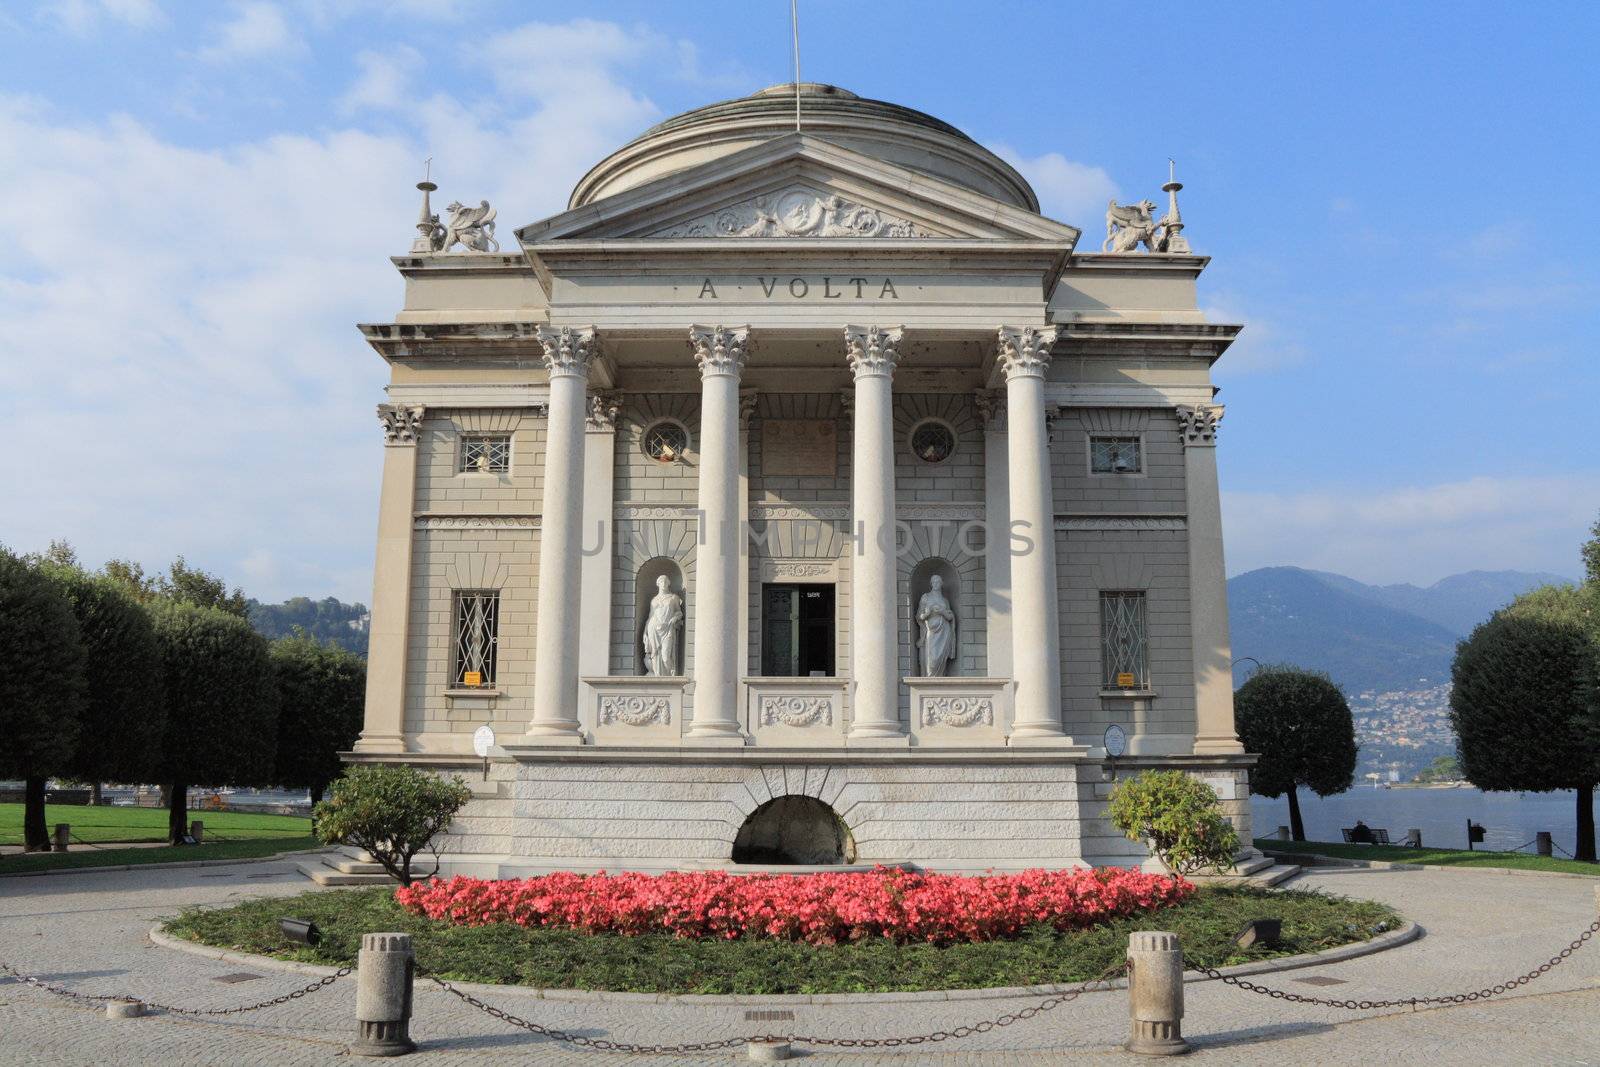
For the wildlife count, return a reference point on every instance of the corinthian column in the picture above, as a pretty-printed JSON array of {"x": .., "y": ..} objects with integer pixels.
[
  {"x": 567, "y": 352},
  {"x": 874, "y": 626},
  {"x": 720, "y": 351},
  {"x": 383, "y": 726},
  {"x": 1036, "y": 657},
  {"x": 1208, "y": 585}
]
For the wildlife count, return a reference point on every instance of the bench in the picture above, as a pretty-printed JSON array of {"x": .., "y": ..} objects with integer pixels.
[{"x": 1379, "y": 837}]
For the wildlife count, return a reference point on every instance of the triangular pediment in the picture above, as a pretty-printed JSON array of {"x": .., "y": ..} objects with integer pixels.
[{"x": 798, "y": 186}]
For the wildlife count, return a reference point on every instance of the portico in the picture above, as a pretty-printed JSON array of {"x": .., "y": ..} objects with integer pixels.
[{"x": 778, "y": 468}]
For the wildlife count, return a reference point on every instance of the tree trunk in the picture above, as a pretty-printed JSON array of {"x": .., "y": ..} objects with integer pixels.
[
  {"x": 95, "y": 797},
  {"x": 35, "y": 834},
  {"x": 177, "y": 812},
  {"x": 1585, "y": 850},
  {"x": 1297, "y": 829}
]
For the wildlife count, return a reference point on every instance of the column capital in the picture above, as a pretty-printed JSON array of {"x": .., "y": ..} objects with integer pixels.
[
  {"x": 1198, "y": 425},
  {"x": 720, "y": 349},
  {"x": 991, "y": 405},
  {"x": 567, "y": 349},
  {"x": 872, "y": 351},
  {"x": 1024, "y": 351},
  {"x": 747, "y": 407},
  {"x": 401, "y": 422},
  {"x": 603, "y": 409}
]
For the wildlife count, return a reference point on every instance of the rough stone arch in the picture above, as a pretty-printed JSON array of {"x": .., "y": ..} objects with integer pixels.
[{"x": 794, "y": 829}]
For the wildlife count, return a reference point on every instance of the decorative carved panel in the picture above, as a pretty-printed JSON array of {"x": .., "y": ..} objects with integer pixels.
[{"x": 800, "y": 447}]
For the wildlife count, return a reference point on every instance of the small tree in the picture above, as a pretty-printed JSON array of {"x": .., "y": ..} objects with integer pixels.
[
  {"x": 391, "y": 810},
  {"x": 1300, "y": 725},
  {"x": 124, "y": 714},
  {"x": 222, "y": 704},
  {"x": 41, "y": 687},
  {"x": 1523, "y": 702},
  {"x": 191, "y": 585},
  {"x": 1179, "y": 817},
  {"x": 321, "y": 697}
]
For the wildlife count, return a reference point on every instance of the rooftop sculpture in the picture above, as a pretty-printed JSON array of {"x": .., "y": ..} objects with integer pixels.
[{"x": 1130, "y": 225}]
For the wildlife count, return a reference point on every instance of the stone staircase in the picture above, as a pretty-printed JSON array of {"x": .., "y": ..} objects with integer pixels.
[
  {"x": 1261, "y": 872},
  {"x": 344, "y": 867}
]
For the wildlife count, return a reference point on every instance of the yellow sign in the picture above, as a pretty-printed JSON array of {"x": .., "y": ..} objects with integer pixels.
[
  {"x": 473, "y": 679},
  {"x": 1125, "y": 680}
]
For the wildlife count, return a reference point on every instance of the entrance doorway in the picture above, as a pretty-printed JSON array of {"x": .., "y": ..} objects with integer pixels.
[{"x": 796, "y": 630}]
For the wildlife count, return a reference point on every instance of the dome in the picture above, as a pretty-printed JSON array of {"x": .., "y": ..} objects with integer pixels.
[{"x": 899, "y": 135}]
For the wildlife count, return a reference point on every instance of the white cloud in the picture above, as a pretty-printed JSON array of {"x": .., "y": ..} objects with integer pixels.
[
  {"x": 181, "y": 356},
  {"x": 1416, "y": 534},
  {"x": 258, "y": 28},
  {"x": 1263, "y": 346},
  {"x": 1075, "y": 193},
  {"x": 384, "y": 80},
  {"x": 85, "y": 16}
]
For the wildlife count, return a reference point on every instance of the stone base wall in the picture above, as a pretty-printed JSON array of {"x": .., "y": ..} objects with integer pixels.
[{"x": 536, "y": 814}]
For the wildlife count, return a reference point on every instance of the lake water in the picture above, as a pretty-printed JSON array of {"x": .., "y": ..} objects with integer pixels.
[{"x": 1509, "y": 819}]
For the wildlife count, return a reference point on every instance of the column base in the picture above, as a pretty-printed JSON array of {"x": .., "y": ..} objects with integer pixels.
[
  {"x": 1227, "y": 745},
  {"x": 1026, "y": 736},
  {"x": 380, "y": 744},
  {"x": 542, "y": 734},
  {"x": 872, "y": 738},
  {"x": 726, "y": 734}
]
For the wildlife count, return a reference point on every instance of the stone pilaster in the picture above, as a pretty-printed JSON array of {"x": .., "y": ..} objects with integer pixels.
[
  {"x": 383, "y": 724},
  {"x": 599, "y": 473},
  {"x": 874, "y": 625},
  {"x": 567, "y": 355},
  {"x": 1024, "y": 354},
  {"x": 720, "y": 351},
  {"x": 1215, "y": 732},
  {"x": 996, "y": 514}
]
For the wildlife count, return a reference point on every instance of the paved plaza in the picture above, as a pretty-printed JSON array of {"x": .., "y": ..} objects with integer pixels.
[{"x": 89, "y": 932}]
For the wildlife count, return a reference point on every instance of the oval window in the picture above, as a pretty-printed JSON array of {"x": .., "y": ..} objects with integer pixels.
[
  {"x": 933, "y": 442},
  {"x": 666, "y": 442}
]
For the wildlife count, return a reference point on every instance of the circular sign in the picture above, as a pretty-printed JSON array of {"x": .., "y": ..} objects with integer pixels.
[
  {"x": 1116, "y": 740},
  {"x": 483, "y": 741}
]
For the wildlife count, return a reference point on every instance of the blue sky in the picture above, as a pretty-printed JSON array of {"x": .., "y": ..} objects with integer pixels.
[{"x": 198, "y": 200}]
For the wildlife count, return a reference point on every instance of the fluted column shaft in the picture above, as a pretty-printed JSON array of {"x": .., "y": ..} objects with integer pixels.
[
  {"x": 874, "y": 626},
  {"x": 1036, "y": 658},
  {"x": 720, "y": 351},
  {"x": 567, "y": 353}
]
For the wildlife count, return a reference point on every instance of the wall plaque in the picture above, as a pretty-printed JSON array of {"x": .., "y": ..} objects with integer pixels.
[{"x": 800, "y": 447}]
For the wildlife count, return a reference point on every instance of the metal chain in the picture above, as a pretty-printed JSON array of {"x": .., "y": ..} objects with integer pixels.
[
  {"x": 321, "y": 983},
  {"x": 603, "y": 1045},
  {"x": 1410, "y": 1002}
]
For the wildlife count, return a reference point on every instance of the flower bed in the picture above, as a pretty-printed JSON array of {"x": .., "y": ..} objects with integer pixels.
[{"x": 820, "y": 909}]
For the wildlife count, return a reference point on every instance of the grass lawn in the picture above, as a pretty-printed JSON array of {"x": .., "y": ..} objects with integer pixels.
[
  {"x": 99, "y": 824},
  {"x": 1442, "y": 857},
  {"x": 115, "y": 857},
  {"x": 659, "y": 963}
]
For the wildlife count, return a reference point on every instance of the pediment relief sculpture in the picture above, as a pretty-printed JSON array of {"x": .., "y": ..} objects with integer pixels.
[{"x": 797, "y": 212}]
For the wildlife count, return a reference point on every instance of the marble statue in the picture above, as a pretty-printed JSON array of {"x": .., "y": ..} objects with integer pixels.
[
  {"x": 661, "y": 631},
  {"x": 936, "y": 622},
  {"x": 470, "y": 227},
  {"x": 1130, "y": 225}
]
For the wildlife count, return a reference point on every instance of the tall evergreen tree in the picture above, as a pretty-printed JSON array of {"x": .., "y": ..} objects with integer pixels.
[
  {"x": 321, "y": 696},
  {"x": 41, "y": 686},
  {"x": 222, "y": 704},
  {"x": 1300, "y": 725}
]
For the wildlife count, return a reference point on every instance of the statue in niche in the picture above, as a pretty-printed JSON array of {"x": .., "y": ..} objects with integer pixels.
[
  {"x": 661, "y": 631},
  {"x": 936, "y": 622}
]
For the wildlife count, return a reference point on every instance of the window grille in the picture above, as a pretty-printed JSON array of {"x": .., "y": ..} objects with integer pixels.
[
  {"x": 477, "y": 634},
  {"x": 1115, "y": 455},
  {"x": 666, "y": 442},
  {"x": 1124, "y": 646},
  {"x": 485, "y": 454},
  {"x": 933, "y": 442}
]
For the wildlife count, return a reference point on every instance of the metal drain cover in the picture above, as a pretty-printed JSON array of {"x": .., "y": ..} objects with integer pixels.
[
  {"x": 1320, "y": 979},
  {"x": 236, "y": 978},
  {"x": 769, "y": 1016}
]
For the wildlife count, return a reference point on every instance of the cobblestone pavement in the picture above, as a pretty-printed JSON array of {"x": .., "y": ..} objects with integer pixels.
[{"x": 87, "y": 932}]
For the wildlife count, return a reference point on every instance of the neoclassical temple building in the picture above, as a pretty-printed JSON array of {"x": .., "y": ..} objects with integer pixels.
[{"x": 800, "y": 495}]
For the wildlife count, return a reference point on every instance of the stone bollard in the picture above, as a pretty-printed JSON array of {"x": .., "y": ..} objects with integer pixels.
[
  {"x": 197, "y": 830},
  {"x": 768, "y": 1051},
  {"x": 384, "y": 969},
  {"x": 1155, "y": 994},
  {"x": 1414, "y": 838},
  {"x": 124, "y": 1009},
  {"x": 1282, "y": 833},
  {"x": 63, "y": 835},
  {"x": 1543, "y": 845}
]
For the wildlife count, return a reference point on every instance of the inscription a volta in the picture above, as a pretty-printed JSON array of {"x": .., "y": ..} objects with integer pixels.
[{"x": 827, "y": 287}]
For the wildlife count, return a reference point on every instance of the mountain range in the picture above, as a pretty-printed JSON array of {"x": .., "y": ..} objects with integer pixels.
[{"x": 1368, "y": 638}]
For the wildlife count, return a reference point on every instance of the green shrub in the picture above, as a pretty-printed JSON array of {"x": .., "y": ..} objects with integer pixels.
[
  {"x": 392, "y": 811},
  {"x": 1178, "y": 817}
]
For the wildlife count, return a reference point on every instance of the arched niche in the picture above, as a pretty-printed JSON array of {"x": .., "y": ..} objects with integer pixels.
[
  {"x": 644, "y": 591},
  {"x": 921, "y": 581},
  {"x": 794, "y": 829}
]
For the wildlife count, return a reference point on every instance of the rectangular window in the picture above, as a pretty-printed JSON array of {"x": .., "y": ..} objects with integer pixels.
[
  {"x": 1115, "y": 455},
  {"x": 477, "y": 632},
  {"x": 485, "y": 454},
  {"x": 1124, "y": 649}
]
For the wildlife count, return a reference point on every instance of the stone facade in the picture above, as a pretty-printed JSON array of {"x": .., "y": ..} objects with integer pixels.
[{"x": 800, "y": 413}]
